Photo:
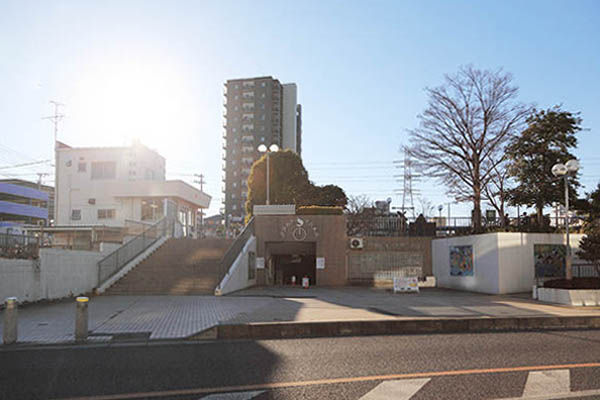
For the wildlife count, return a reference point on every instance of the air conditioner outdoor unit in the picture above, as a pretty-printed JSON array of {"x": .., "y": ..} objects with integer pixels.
[{"x": 356, "y": 243}]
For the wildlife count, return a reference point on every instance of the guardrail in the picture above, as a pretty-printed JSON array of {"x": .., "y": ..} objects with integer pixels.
[
  {"x": 234, "y": 250},
  {"x": 116, "y": 260}
]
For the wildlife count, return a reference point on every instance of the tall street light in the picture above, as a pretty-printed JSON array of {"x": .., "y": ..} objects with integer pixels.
[
  {"x": 264, "y": 149},
  {"x": 564, "y": 170}
]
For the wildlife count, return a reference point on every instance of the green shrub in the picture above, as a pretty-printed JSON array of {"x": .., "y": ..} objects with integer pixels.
[{"x": 319, "y": 210}]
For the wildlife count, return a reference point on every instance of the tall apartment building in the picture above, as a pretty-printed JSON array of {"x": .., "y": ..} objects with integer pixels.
[{"x": 257, "y": 110}]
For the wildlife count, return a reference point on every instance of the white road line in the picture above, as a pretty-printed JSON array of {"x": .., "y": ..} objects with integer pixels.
[
  {"x": 234, "y": 395},
  {"x": 401, "y": 389},
  {"x": 559, "y": 396},
  {"x": 543, "y": 383}
]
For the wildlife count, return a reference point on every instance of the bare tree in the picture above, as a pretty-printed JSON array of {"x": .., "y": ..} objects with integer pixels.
[
  {"x": 427, "y": 207},
  {"x": 464, "y": 129},
  {"x": 496, "y": 190},
  {"x": 357, "y": 204},
  {"x": 359, "y": 211}
]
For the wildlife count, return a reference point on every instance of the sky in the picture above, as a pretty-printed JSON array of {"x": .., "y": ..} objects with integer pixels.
[{"x": 154, "y": 70}]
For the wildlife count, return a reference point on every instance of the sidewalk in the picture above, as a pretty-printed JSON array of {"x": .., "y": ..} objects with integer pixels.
[{"x": 178, "y": 317}]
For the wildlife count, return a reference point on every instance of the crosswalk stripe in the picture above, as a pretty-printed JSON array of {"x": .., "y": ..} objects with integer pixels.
[
  {"x": 234, "y": 395},
  {"x": 402, "y": 389},
  {"x": 540, "y": 383}
]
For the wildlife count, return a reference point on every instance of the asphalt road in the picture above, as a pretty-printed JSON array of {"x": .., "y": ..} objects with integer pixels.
[{"x": 456, "y": 366}]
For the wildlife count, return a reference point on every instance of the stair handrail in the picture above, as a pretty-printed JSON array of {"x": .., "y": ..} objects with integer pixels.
[
  {"x": 114, "y": 261},
  {"x": 234, "y": 249}
]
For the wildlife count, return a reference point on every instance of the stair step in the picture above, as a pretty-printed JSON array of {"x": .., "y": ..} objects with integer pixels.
[{"x": 178, "y": 267}]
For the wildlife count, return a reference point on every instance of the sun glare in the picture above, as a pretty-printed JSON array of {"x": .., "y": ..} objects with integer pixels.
[{"x": 118, "y": 102}]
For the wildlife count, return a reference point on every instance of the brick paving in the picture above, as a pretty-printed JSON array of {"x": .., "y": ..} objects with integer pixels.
[{"x": 176, "y": 317}]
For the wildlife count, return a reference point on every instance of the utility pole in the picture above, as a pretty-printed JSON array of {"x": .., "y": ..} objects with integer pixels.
[
  {"x": 40, "y": 178},
  {"x": 201, "y": 182},
  {"x": 56, "y": 118}
]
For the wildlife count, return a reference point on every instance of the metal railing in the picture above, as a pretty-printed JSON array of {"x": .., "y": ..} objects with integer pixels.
[
  {"x": 116, "y": 260},
  {"x": 234, "y": 250},
  {"x": 19, "y": 246},
  {"x": 585, "y": 271}
]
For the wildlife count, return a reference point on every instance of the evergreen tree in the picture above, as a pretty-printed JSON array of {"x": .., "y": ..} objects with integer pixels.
[{"x": 548, "y": 139}]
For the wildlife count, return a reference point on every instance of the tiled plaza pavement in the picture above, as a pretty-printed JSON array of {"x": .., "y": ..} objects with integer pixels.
[
  {"x": 352, "y": 303},
  {"x": 158, "y": 317},
  {"x": 172, "y": 317}
]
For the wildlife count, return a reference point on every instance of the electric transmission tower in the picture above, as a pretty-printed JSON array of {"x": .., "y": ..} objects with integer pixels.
[{"x": 406, "y": 179}]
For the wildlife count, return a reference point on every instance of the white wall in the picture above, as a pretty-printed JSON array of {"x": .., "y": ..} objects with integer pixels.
[
  {"x": 75, "y": 188},
  {"x": 516, "y": 257},
  {"x": 58, "y": 273},
  {"x": 502, "y": 262},
  {"x": 485, "y": 263},
  {"x": 237, "y": 277}
]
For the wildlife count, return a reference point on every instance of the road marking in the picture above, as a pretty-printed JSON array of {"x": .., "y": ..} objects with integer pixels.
[
  {"x": 543, "y": 383},
  {"x": 402, "y": 389},
  {"x": 234, "y": 395},
  {"x": 278, "y": 385},
  {"x": 559, "y": 396}
]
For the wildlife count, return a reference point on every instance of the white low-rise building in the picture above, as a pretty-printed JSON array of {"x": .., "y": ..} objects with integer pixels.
[{"x": 111, "y": 186}]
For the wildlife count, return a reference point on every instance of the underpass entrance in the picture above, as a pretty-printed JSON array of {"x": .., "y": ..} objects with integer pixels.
[{"x": 289, "y": 259}]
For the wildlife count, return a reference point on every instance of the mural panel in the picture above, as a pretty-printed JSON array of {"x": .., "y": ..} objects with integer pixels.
[
  {"x": 549, "y": 260},
  {"x": 461, "y": 261}
]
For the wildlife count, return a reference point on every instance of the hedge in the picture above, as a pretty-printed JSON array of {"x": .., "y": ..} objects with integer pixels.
[{"x": 319, "y": 210}]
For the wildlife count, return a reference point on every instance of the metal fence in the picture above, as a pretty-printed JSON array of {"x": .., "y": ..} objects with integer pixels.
[
  {"x": 116, "y": 260},
  {"x": 585, "y": 271},
  {"x": 234, "y": 250},
  {"x": 19, "y": 246}
]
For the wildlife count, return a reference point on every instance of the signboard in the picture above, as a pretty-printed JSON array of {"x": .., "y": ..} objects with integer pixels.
[
  {"x": 260, "y": 263},
  {"x": 406, "y": 285},
  {"x": 320, "y": 262}
]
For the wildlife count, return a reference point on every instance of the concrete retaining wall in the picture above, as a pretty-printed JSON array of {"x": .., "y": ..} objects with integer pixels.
[
  {"x": 57, "y": 273},
  {"x": 502, "y": 262},
  {"x": 237, "y": 277},
  {"x": 571, "y": 297}
]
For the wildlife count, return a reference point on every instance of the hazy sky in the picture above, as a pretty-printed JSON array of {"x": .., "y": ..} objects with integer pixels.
[{"x": 155, "y": 70}]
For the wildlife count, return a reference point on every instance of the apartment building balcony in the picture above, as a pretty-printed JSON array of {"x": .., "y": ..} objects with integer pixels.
[
  {"x": 245, "y": 171},
  {"x": 248, "y": 149},
  {"x": 248, "y": 106},
  {"x": 248, "y": 84},
  {"x": 248, "y": 95},
  {"x": 247, "y": 138}
]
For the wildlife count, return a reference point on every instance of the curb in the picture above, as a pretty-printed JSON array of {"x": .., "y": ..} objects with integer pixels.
[{"x": 295, "y": 330}]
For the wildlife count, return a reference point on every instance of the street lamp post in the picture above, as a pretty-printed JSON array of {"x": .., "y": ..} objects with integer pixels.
[
  {"x": 264, "y": 149},
  {"x": 564, "y": 170}
]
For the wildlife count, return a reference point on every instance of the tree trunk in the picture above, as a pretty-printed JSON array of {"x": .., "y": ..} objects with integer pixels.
[
  {"x": 540, "y": 214},
  {"x": 477, "y": 210}
]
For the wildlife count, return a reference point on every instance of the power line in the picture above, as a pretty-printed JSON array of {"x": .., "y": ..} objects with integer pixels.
[{"x": 25, "y": 164}]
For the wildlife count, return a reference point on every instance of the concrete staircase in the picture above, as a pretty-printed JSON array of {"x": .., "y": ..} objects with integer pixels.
[{"x": 179, "y": 267}]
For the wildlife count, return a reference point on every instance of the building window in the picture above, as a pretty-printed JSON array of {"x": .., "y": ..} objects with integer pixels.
[
  {"x": 75, "y": 215},
  {"x": 234, "y": 207},
  {"x": 234, "y": 184},
  {"x": 263, "y": 84},
  {"x": 81, "y": 167},
  {"x": 104, "y": 170},
  {"x": 107, "y": 214}
]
